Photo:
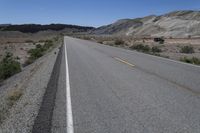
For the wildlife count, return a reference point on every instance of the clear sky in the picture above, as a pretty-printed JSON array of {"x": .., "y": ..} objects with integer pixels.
[{"x": 86, "y": 12}]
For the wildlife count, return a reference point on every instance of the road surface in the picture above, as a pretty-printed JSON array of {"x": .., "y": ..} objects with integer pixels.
[{"x": 114, "y": 90}]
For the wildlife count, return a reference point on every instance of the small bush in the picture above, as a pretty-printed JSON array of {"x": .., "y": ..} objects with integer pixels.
[
  {"x": 192, "y": 60},
  {"x": 28, "y": 62},
  {"x": 160, "y": 40},
  {"x": 101, "y": 42},
  {"x": 8, "y": 67},
  {"x": 119, "y": 42},
  {"x": 38, "y": 46},
  {"x": 156, "y": 49},
  {"x": 29, "y": 41},
  {"x": 35, "y": 53},
  {"x": 17, "y": 58},
  {"x": 47, "y": 44},
  {"x": 141, "y": 47},
  {"x": 86, "y": 38},
  {"x": 187, "y": 49},
  {"x": 56, "y": 38},
  {"x": 146, "y": 48}
]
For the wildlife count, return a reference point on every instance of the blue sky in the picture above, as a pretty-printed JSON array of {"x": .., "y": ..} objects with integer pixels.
[{"x": 86, "y": 12}]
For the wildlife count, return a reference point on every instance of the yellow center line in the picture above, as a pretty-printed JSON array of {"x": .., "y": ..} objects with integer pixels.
[{"x": 123, "y": 61}]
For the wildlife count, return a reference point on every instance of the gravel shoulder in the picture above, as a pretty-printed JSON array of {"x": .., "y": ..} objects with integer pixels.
[{"x": 19, "y": 116}]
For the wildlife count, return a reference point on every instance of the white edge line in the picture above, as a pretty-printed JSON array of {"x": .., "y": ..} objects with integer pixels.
[{"x": 69, "y": 115}]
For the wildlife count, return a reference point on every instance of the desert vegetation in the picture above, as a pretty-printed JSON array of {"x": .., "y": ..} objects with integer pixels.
[
  {"x": 159, "y": 40},
  {"x": 192, "y": 60},
  {"x": 141, "y": 48},
  {"x": 15, "y": 56},
  {"x": 156, "y": 49},
  {"x": 119, "y": 42},
  {"x": 9, "y": 66},
  {"x": 38, "y": 51},
  {"x": 188, "y": 50}
]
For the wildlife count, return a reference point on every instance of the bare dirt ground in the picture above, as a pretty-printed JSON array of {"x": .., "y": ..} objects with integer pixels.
[
  {"x": 19, "y": 43},
  {"x": 19, "y": 50},
  {"x": 18, "y": 37}
]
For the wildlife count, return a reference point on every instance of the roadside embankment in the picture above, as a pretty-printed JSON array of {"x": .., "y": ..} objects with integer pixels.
[{"x": 22, "y": 94}]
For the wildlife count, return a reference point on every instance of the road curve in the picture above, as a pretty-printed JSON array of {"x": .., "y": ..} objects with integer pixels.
[{"x": 114, "y": 90}]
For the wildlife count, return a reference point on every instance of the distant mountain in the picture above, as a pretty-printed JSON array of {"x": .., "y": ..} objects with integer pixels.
[
  {"x": 173, "y": 24},
  {"x": 33, "y": 28},
  {"x": 3, "y": 25}
]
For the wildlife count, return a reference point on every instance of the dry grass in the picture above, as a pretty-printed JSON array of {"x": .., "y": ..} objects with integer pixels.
[{"x": 14, "y": 96}]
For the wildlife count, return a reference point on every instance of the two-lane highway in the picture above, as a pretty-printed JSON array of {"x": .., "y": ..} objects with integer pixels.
[{"x": 114, "y": 90}]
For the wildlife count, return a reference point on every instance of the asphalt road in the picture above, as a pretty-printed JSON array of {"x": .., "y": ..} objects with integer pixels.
[{"x": 114, "y": 90}]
